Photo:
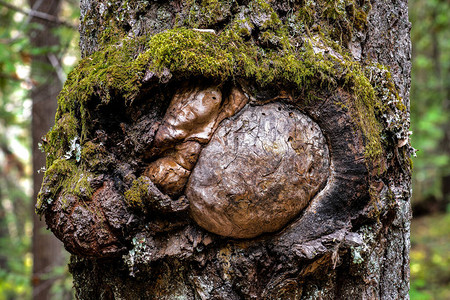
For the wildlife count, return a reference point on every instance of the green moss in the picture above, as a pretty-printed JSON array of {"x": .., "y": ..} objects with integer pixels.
[
  {"x": 111, "y": 34},
  {"x": 344, "y": 17},
  {"x": 137, "y": 193},
  {"x": 78, "y": 184},
  {"x": 56, "y": 142},
  {"x": 265, "y": 16},
  {"x": 189, "y": 52},
  {"x": 411, "y": 163},
  {"x": 95, "y": 156},
  {"x": 364, "y": 107},
  {"x": 63, "y": 177},
  {"x": 205, "y": 13},
  {"x": 226, "y": 56}
]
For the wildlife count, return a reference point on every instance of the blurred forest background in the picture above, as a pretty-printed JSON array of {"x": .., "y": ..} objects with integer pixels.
[{"x": 39, "y": 46}]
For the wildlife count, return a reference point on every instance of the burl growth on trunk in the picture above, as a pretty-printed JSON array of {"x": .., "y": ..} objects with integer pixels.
[{"x": 257, "y": 171}]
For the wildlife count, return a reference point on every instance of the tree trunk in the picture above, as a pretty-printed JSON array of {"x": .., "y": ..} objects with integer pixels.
[
  {"x": 235, "y": 150},
  {"x": 46, "y": 249}
]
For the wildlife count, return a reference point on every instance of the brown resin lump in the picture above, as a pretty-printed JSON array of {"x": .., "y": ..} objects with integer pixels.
[{"x": 260, "y": 169}]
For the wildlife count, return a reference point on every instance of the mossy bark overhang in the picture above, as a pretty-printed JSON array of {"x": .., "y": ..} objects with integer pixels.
[{"x": 301, "y": 61}]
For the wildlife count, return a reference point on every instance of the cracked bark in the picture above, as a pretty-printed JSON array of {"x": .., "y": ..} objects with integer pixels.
[{"x": 180, "y": 208}]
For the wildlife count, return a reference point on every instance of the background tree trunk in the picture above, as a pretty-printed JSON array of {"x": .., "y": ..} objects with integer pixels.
[
  {"x": 47, "y": 250},
  {"x": 137, "y": 233}
]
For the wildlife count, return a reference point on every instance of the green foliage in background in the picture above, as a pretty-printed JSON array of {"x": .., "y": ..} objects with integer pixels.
[
  {"x": 430, "y": 114},
  {"x": 15, "y": 173},
  {"x": 15, "y": 143},
  {"x": 430, "y": 258},
  {"x": 430, "y": 95}
]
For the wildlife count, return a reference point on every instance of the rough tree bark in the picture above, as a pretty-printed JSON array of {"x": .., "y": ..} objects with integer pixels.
[
  {"x": 47, "y": 250},
  {"x": 235, "y": 150}
]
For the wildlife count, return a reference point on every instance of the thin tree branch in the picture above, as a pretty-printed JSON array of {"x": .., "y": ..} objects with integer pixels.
[
  {"x": 57, "y": 66},
  {"x": 38, "y": 14}
]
